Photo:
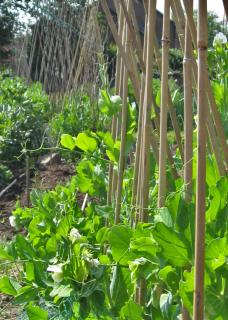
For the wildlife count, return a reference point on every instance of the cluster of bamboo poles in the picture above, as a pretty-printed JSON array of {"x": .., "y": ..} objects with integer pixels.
[
  {"x": 135, "y": 61},
  {"x": 66, "y": 45}
]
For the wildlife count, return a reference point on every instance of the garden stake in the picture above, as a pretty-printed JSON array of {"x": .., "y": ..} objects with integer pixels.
[
  {"x": 147, "y": 126},
  {"x": 136, "y": 175},
  {"x": 123, "y": 128},
  {"x": 114, "y": 120},
  {"x": 172, "y": 110},
  {"x": 214, "y": 109},
  {"x": 164, "y": 105},
  {"x": 179, "y": 25},
  {"x": 132, "y": 35},
  {"x": 188, "y": 112},
  {"x": 134, "y": 77},
  {"x": 120, "y": 93},
  {"x": 188, "y": 124},
  {"x": 146, "y": 132},
  {"x": 198, "y": 307}
]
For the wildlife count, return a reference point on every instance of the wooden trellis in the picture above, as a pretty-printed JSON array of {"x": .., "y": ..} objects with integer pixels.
[{"x": 135, "y": 61}]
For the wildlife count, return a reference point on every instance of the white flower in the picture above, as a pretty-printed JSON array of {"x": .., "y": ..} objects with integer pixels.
[
  {"x": 74, "y": 235},
  {"x": 57, "y": 270},
  {"x": 12, "y": 221},
  {"x": 219, "y": 39},
  {"x": 140, "y": 261},
  {"x": 94, "y": 263}
]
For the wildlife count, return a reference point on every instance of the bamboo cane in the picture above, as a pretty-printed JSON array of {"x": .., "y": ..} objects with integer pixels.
[
  {"x": 164, "y": 105},
  {"x": 178, "y": 14},
  {"x": 170, "y": 104},
  {"x": 147, "y": 133},
  {"x": 136, "y": 175},
  {"x": 120, "y": 93},
  {"x": 213, "y": 108},
  {"x": 188, "y": 113},
  {"x": 198, "y": 307},
  {"x": 123, "y": 128},
  {"x": 137, "y": 32},
  {"x": 147, "y": 111},
  {"x": 134, "y": 77},
  {"x": 188, "y": 123},
  {"x": 132, "y": 35},
  {"x": 114, "y": 120}
]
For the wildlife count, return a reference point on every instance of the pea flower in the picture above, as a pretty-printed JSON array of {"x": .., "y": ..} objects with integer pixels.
[
  {"x": 94, "y": 263},
  {"x": 219, "y": 39},
  {"x": 12, "y": 221},
  {"x": 74, "y": 235},
  {"x": 57, "y": 272}
]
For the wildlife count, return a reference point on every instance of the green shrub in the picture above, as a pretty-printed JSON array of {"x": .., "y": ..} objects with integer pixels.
[{"x": 24, "y": 113}]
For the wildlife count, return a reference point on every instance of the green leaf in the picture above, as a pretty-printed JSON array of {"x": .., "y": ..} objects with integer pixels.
[
  {"x": 4, "y": 255},
  {"x": 216, "y": 253},
  {"x": 7, "y": 287},
  {"x": 102, "y": 235},
  {"x": 26, "y": 294},
  {"x": 104, "y": 102},
  {"x": 36, "y": 313},
  {"x": 214, "y": 207},
  {"x": 105, "y": 211},
  {"x": 98, "y": 302},
  {"x": 119, "y": 238},
  {"x": 84, "y": 309},
  {"x": 216, "y": 303},
  {"x": 24, "y": 248},
  {"x": 158, "y": 98},
  {"x": 109, "y": 105},
  {"x": 131, "y": 311},
  {"x": 86, "y": 143},
  {"x": 186, "y": 289},
  {"x": 142, "y": 268},
  {"x": 144, "y": 246},
  {"x": 183, "y": 213},
  {"x": 83, "y": 183},
  {"x": 88, "y": 288},
  {"x": 118, "y": 289},
  {"x": 174, "y": 249},
  {"x": 169, "y": 276},
  {"x": 51, "y": 244},
  {"x": 165, "y": 217},
  {"x": 30, "y": 275},
  {"x": 68, "y": 141},
  {"x": 61, "y": 291}
]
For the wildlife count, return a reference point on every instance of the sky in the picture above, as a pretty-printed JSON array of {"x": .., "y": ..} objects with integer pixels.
[{"x": 213, "y": 5}]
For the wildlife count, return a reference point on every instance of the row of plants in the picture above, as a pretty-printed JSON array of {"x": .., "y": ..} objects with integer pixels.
[
  {"x": 30, "y": 121},
  {"x": 73, "y": 265},
  {"x": 24, "y": 113}
]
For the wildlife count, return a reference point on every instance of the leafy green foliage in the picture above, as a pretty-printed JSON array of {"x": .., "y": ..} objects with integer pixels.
[
  {"x": 24, "y": 113},
  {"x": 72, "y": 260},
  {"x": 76, "y": 264},
  {"x": 5, "y": 175}
]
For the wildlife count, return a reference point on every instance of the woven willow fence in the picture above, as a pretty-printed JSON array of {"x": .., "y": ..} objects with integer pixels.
[{"x": 135, "y": 61}]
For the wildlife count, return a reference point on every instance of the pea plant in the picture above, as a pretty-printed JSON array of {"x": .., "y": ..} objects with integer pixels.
[{"x": 75, "y": 264}]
